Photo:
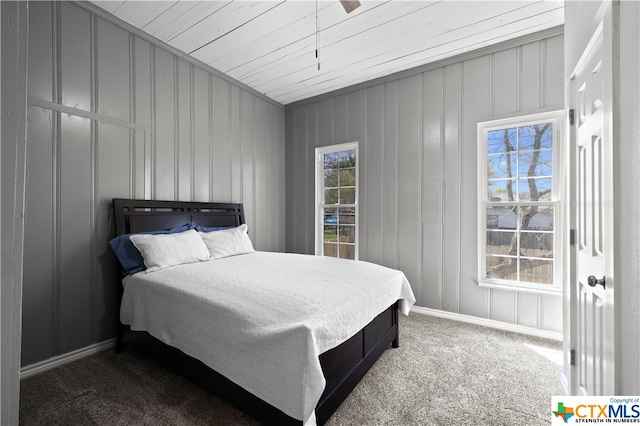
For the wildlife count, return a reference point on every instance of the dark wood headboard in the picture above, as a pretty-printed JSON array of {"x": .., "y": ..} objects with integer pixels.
[{"x": 151, "y": 215}]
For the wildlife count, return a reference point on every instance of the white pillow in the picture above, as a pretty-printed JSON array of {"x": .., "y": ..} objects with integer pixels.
[
  {"x": 227, "y": 242},
  {"x": 164, "y": 250}
]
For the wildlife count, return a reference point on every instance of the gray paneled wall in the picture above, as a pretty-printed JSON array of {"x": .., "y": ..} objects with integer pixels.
[
  {"x": 418, "y": 166},
  {"x": 113, "y": 115}
]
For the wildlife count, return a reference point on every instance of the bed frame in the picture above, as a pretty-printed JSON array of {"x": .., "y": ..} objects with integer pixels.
[{"x": 343, "y": 366}]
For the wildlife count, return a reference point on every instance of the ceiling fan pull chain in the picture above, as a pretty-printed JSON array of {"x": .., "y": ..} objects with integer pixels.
[{"x": 317, "y": 36}]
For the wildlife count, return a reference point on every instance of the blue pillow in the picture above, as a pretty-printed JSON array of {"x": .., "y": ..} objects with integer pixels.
[
  {"x": 129, "y": 256},
  {"x": 212, "y": 228}
]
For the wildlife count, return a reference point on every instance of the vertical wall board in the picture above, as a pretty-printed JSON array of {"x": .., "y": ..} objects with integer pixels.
[
  {"x": 409, "y": 131},
  {"x": 282, "y": 188},
  {"x": 553, "y": 66},
  {"x": 261, "y": 187},
  {"x": 281, "y": 180},
  {"x": 409, "y": 180},
  {"x": 505, "y": 68},
  {"x": 475, "y": 105},
  {"x": 41, "y": 40},
  {"x": 38, "y": 330},
  {"x": 432, "y": 288},
  {"x": 551, "y": 313},
  {"x": 300, "y": 181},
  {"x": 341, "y": 118},
  {"x": 75, "y": 56},
  {"x": 390, "y": 175},
  {"x": 141, "y": 176},
  {"x": 235, "y": 134},
  {"x": 248, "y": 146},
  {"x": 113, "y": 70},
  {"x": 325, "y": 122},
  {"x": 142, "y": 82},
  {"x": 222, "y": 142},
  {"x": 290, "y": 177},
  {"x": 277, "y": 164},
  {"x": 451, "y": 189},
  {"x": 184, "y": 124},
  {"x": 271, "y": 210},
  {"x": 502, "y": 306},
  {"x": 13, "y": 156},
  {"x": 527, "y": 309},
  {"x": 164, "y": 161},
  {"x": 531, "y": 83},
  {"x": 432, "y": 242},
  {"x": 357, "y": 113},
  {"x": 410, "y": 233},
  {"x": 202, "y": 155},
  {"x": 143, "y": 105},
  {"x": 116, "y": 161},
  {"x": 75, "y": 232},
  {"x": 432, "y": 123},
  {"x": 373, "y": 204},
  {"x": 267, "y": 164},
  {"x": 309, "y": 191}
]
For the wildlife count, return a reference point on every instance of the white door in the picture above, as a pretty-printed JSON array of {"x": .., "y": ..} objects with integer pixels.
[{"x": 592, "y": 308}]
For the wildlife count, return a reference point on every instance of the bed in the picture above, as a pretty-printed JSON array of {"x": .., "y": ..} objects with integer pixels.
[{"x": 221, "y": 322}]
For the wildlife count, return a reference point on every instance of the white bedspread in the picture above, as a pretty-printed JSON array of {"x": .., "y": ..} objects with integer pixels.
[{"x": 262, "y": 319}]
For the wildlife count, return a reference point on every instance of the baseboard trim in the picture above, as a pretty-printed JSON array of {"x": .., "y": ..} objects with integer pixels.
[
  {"x": 59, "y": 360},
  {"x": 489, "y": 323}
]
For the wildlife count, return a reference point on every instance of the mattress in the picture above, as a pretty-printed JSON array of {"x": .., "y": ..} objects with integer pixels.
[{"x": 262, "y": 319}]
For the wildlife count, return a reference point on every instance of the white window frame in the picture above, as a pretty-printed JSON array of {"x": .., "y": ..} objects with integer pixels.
[
  {"x": 557, "y": 118},
  {"x": 319, "y": 192}
]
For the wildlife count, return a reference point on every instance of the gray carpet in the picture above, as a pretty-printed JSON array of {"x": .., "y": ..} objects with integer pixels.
[{"x": 444, "y": 373}]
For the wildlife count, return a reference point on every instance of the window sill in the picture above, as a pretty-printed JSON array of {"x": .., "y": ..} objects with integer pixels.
[{"x": 523, "y": 288}]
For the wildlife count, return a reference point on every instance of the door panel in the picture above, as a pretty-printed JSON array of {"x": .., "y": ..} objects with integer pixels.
[{"x": 592, "y": 304}]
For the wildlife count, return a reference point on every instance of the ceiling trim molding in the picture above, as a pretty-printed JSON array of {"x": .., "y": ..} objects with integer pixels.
[
  {"x": 92, "y": 8},
  {"x": 507, "y": 44}
]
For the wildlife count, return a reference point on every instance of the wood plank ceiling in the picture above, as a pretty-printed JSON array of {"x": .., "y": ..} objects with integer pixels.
[{"x": 271, "y": 45}]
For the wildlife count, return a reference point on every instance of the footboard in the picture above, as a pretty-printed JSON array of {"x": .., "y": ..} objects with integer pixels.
[{"x": 345, "y": 365}]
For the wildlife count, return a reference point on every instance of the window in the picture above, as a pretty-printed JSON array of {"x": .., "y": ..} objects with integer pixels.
[
  {"x": 519, "y": 209},
  {"x": 337, "y": 201}
]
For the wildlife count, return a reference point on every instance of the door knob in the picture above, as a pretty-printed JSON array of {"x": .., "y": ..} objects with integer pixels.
[{"x": 593, "y": 281}]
